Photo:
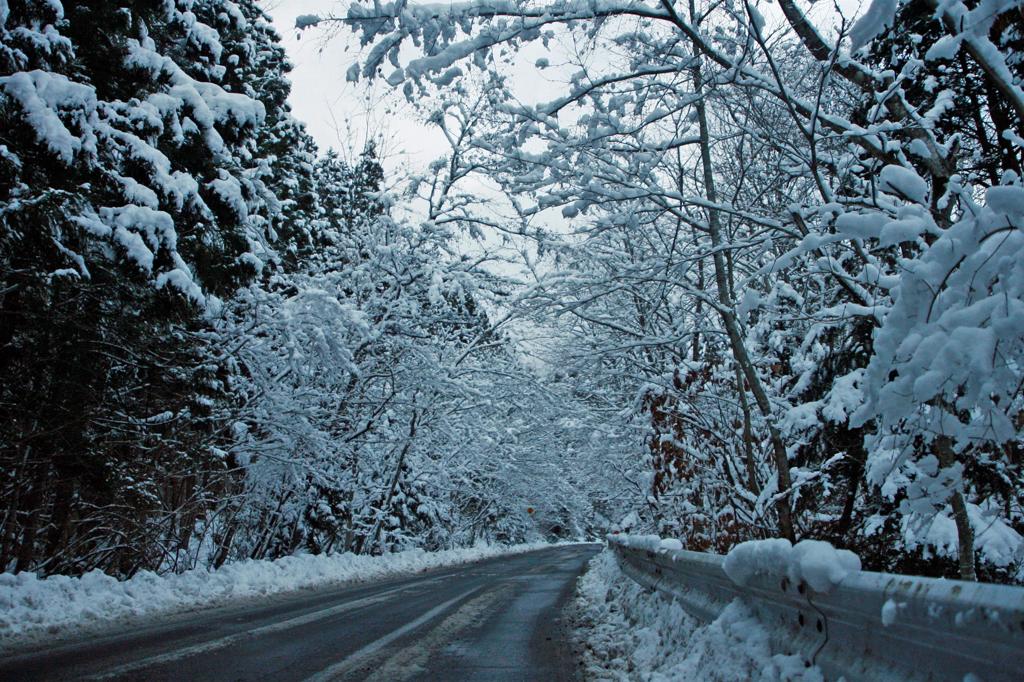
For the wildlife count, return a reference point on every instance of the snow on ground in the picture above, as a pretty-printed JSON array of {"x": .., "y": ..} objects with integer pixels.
[
  {"x": 627, "y": 633},
  {"x": 33, "y": 608}
]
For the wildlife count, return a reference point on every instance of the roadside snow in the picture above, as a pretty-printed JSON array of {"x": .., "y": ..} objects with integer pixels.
[
  {"x": 626, "y": 633},
  {"x": 32, "y": 608}
]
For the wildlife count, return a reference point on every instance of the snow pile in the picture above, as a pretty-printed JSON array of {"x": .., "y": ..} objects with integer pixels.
[
  {"x": 880, "y": 15},
  {"x": 653, "y": 543},
  {"x": 903, "y": 182},
  {"x": 31, "y": 607},
  {"x": 304, "y": 21},
  {"x": 626, "y": 633},
  {"x": 815, "y": 562}
]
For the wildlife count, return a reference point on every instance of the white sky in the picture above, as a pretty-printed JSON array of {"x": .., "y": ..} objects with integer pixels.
[{"x": 344, "y": 115}]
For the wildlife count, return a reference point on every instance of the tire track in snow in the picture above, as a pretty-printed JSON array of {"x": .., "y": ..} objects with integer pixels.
[
  {"x": 411, "y": 660},
  {"x": 360, "y": 657},
  {"x": 213, "y": 645}
]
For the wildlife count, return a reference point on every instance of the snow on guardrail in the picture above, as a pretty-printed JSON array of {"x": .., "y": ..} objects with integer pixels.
[{"x": 817, "y": 603}]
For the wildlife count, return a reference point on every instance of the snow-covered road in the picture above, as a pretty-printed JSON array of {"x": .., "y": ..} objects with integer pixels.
[{"x": 499, "y": 619}]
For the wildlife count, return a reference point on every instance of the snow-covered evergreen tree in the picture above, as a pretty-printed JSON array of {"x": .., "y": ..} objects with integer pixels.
[{"x": 138, "y": 188}]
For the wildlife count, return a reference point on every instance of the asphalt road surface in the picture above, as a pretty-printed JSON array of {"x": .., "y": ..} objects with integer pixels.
[{"x": 497, "y": 620}]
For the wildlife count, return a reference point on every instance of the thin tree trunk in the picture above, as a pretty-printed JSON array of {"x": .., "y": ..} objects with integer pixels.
[
  {"x": 10, "y": 540},
  {"x": 726, "y": 310},
  {"x": 33, "y": 508},
  {"x": 846, "y": 519},
  {"x": 748, "y": 437},
  {"x": 964, "y": 530},
  {"x": 60, "y": 523},
  {"x": 394, "y": 480}
]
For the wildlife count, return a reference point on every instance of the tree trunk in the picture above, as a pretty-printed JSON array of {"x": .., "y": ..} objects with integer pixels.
[
  {"x": 748, "y": 437},
  {"x": 964, "y": 530},
  {"x": 33, "y": 508},
  {"x": 394, "y": 481},
  {"x": 726, "y": 310}
]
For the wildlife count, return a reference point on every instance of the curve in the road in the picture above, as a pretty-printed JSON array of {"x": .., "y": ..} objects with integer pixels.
[{"x": 498, "y": 619}]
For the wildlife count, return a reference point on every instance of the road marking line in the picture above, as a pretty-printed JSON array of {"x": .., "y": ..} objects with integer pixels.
[
  {"x": 227, "y": 641},
  {"x": 354, "y": 659}
]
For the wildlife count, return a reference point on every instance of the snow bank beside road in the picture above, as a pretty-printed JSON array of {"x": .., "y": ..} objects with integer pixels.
[
  {"x": 627, "y": 633},
  {"x": 31, "y": 608}
]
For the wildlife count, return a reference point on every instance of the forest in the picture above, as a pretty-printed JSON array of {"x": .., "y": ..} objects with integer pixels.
[{"x": 757, "y": 271}]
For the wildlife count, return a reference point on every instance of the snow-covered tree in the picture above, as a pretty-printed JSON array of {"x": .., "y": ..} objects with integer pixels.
[
  {"x": 798, "y": 240},
  {"x": 137, "y": 190}
]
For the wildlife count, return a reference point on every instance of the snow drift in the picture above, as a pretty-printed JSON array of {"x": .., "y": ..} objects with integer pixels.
[{"x": 32, "y": 607}]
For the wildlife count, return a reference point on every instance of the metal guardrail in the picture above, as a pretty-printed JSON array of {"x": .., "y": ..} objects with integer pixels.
[{"x": 937, "y": 629}]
